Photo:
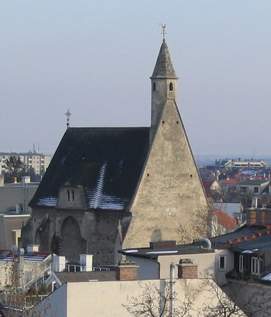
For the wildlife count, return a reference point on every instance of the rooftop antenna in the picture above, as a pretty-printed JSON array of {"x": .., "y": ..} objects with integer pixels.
[
  {"x": 68, "y": 115},
  {"x": 163, "y": 31}
]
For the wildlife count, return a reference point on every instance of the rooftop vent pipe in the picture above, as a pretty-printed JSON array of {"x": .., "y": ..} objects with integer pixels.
[{"x": 205, "y": 243}]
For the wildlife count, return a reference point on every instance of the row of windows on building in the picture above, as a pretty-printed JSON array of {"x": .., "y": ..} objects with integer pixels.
[{"x": 255, "y": 264}]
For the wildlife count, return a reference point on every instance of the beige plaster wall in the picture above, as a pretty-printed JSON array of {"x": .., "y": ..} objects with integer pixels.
[
  {"x": 8, "y": 223},
  {"x": 16, "y": 194},
  {"x": 107, "y": 299},
  {"x": 220, "y": 275},
  {"x": 170, "y": 203}
]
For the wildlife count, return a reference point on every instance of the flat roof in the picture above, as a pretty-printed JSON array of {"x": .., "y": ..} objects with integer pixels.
[
  {"x": 73, "y": 277},
  {"x": 193, "y": 248}
]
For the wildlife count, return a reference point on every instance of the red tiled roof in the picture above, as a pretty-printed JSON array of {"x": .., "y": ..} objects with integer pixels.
[
  {"x": 225, "y": 219},
  {"x": 231, "y": 181}
]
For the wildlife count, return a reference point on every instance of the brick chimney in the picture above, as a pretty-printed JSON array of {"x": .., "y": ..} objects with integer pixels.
[
  {"x": 127, "y": 271},
  {"x": 251, "y": 217},
  {"x": 187, "y": 270},
  {"x": 163, "y": 244}
]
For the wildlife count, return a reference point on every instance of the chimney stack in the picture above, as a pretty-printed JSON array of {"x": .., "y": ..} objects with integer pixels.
[
  {"x": 59, "y": 263},
  {"x": 127, "y": 271},
  {"x": 187, "y": 270},
  {"x": 86, "y": 261}
]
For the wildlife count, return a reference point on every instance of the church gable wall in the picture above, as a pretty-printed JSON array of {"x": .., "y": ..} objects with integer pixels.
[{"x": 170, "y": 203}]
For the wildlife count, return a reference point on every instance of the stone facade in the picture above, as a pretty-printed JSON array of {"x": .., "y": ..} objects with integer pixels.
[
  {"x": 165, "y": 202},
  {"x": 170, "y": 199},
  {"x": 73, "y": 232}
]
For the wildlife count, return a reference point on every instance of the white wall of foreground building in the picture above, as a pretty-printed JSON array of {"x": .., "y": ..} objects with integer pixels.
[{"x": 107, "y": 299}]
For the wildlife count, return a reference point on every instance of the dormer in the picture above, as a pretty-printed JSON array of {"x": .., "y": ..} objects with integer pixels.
[{"x": 71, "y": 197}]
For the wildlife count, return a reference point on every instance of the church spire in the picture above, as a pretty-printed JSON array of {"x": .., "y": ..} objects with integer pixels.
[
  {"x": 164, "y": 68},
  {"x": 163, "y": 84}
]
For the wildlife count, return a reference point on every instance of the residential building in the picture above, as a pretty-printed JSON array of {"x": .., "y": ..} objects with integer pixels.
[
  {"x": 38, "y": 161},
  {"x": 15, "y": 197},
  {"x": 249, "y": 281},
  {"x": 245, "y": 164},
  {"x": 164, "y": 268},
  {"x": 232, "y": 209},
  {"x": 95, "y": 297},
  {"x": 254, "y": 186},
  {"x": 154, "y": 262},
  {"x": 10, "y": 230}
]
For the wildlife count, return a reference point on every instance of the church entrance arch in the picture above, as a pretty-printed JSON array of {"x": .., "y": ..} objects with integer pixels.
[{"x": 72, "y": 244}]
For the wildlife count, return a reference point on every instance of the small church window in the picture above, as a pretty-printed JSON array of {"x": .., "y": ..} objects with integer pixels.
[
  {"x": 153, "y": 86},
  {"x": 171, "y": 86},
  {"x": 68, "y": 195}
]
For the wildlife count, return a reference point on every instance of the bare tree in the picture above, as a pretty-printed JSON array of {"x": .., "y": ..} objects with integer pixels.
[
  {"x": 195, "y": 229},
  {"x": 15, "y": 299},
  {"x": 161, "y": 302},
  {"x": 253, "y": 299},
  {"x": 223, "y": 305}
]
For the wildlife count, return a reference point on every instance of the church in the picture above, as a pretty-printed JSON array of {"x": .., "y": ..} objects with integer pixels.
[{"x": 112, "y": 188}]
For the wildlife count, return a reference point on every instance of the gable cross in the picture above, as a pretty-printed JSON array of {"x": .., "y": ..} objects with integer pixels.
[{"x": 163, "y": 31}]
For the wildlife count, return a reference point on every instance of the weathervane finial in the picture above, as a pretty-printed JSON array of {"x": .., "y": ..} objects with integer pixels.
[
  {"x": 68, "y": 115},
  {"x": 163, "y": 31}
]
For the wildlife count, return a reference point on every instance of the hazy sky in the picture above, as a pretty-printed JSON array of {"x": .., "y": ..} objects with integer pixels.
[{"x": 95, "y": 57}]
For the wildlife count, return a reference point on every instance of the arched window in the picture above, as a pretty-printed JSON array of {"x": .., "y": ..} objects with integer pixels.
[
  {"x": 68, "y": 195},
  {"x": 171, "y": 86},
  {"x": 72, "y": 194},
  {"x": 153, "y": 86}
]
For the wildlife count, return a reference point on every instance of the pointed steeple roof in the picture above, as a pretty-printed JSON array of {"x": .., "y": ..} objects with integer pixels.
[{"x": 164, "y": 67}]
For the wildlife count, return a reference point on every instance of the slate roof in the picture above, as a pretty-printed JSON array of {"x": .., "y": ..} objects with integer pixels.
[
  {"x": 164, "y": 67},
  {"x": 107, "y": 162},
  {"x": 262, "y": 243},
  {"x": 236, "y": 236}
]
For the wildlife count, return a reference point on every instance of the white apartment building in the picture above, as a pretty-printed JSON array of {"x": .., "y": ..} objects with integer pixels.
[
  {"x": 245, "y": 164},
  {"x": 38, "y": 161}
]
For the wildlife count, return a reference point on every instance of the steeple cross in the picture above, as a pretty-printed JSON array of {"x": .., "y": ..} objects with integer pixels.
[
  {"x": 163, "y": 31},
  {"x": 68, "y": 115}
]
